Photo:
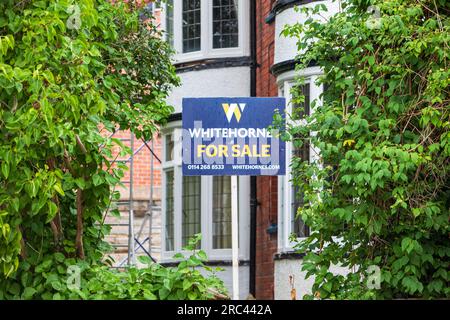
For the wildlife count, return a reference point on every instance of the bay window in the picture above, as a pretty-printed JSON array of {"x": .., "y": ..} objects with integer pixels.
[
  {"x": 199, "y": 204},
  {"x": 299, "y": 112},
  {"x": 290, "y": 197}
]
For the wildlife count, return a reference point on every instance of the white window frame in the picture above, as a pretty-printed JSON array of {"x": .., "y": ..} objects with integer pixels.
[
  {"x": 174, "y": 129},
  {"x": 285, "y": 83},
  {"x": 163, "y": 19},
  {"x": 206, "y": 42}
]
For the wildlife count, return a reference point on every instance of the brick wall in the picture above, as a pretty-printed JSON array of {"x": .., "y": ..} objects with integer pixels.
[
  {"x": 266, "y": 243},
  {"x": 265, "y": 41},
  {"x": 267, "y": 187}
]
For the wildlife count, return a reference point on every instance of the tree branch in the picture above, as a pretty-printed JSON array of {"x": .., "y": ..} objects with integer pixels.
[
  {"x": 80, "y": 144},
  {"x": 23, "y": 247},
  {"x": 79, "y": 237}
]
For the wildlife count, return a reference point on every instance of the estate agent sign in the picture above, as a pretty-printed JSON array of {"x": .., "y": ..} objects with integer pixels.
[{"x": 230, "y": 136}]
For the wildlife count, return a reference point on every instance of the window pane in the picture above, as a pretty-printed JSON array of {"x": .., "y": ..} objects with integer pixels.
[
  {"x": 299, "y": 228},
  {"x": 302, "y": 109},
  {"x": 169, "y": 21},
  {"x": 299, "y": 112},
  {"x": 169, "y": 212},
  {"x": 191, "y": 25},
  {"x": 191, "y": 211},
  {"x": 221, "y": 212},
  {"x": 169, "y": 147},
  {"x": 225, "y": 24}
]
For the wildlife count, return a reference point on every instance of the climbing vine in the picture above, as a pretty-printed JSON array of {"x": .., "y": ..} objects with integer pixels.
[
  {"x": 70, "y": 71},
  {"x": 379, "y": 196}
]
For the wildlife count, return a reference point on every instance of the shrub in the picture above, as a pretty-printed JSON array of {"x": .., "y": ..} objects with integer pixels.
[
  {"x": 380, "y": 193},
  {"x": 66, "y": 79},
  {"x": 57, "y": 277}
]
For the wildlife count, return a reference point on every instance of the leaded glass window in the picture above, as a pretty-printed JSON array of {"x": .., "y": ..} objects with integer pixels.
[
  {"x": 169, "y": 21},
  {"x": 169, "y": 211},
  {"x": 221, "y": 212},
  {"x": 191, "y": 208},
  {"x": 191, "y": 25},
  {"x": 300, "y": 110},
  {"x": 225, "y": 24},
  {"x": 169, "y": 147}
]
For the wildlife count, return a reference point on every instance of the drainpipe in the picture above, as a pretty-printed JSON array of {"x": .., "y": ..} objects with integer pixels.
[{"x": 253, "y": 196}]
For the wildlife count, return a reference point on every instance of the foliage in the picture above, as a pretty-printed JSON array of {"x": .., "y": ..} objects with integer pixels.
[
  {"x": 380, "y": 194},
  {"x": 52, "y": 280},
  {"x": 61, "y": 88}
]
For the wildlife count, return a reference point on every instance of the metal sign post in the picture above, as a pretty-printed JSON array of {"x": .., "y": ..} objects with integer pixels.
[
  {"x": 235, "y": 235},
  {"x": 231, "y": 137}
]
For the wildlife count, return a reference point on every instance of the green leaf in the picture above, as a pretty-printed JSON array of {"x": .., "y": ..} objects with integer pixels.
[
  {"x": 44, "y": 266},
  {"x": 80, "y": 183},
  {"x": 5, "y": 169},
  {"x": 149, "y": 295},
  {"x": 24, "y": 279},
  {"x": 15, "y": 202},
  {"x": 412, "y": 284},
  {"x": 52, "y": 210},
  {"x": 406, "y": 244},
  {"x": 400, "y": 263},
  {"x": 57, "y": 296},
  {"x": 59, "y": 257},
  {"x": 97, "y": 180},
  {"x": 28, "y": 293},
  {"x": 192, "y": 295},
  {"x": 167, "y": 284},
  {"x": 14, "y": 289},
  {"x": 6, "y": 230},
  {"x": 32, "y": 188},
  {"x": 178, "y": 256},
  {"x": 145, "y": 259},
  {"x": 58, "y": 189},
  {"x": 57, "y": 285},
  {"x": 202, "y": 255},
  {"x": 327, "y": 286},
  {"x": 187, "y": 283},
  {"x": 163, "y": 293}
]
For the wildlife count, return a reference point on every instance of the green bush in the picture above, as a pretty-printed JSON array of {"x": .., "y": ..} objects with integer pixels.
[
  {"x": 380, "y": 193},
  {"x": 63, "y": 87},
  {"x": 56, "y": 278}
]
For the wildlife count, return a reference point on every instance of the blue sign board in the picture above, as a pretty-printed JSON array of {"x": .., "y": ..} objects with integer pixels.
[{"x": 231, "y": 136}]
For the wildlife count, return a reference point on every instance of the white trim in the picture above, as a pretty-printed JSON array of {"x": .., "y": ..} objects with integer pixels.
[
  {"x": 177, "y": 206},
  {"x": 206, "y": 49},
  {"x": 163, "y": 211},
  {"x": 292, "y": 75},
  {"x": 286, "y": 81},
  {"x": 163, "y": 18}
]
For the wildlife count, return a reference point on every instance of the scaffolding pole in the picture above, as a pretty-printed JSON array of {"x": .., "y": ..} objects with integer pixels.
[
  {"x": 134, "y": 242},
  {"x": 131, "y": 250},
  {"x": 150, "y": 205}
]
